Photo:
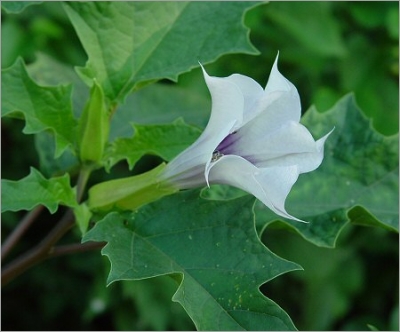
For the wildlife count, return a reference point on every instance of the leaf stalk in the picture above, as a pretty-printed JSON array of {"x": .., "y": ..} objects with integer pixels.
[
  {"x": 18, "y": 232},
  {"x": 42, "y": 251}
]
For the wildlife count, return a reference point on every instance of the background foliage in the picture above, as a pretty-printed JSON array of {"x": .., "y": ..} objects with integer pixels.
[{"x": 327, "y": 49}]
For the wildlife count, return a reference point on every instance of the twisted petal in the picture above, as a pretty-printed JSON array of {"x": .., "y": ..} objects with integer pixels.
[
  {"x": 227, "y": 104},
  {"x": 290, "y": 144},
  {"x": 280, "y": 102},
  {"x": 251, "y": 92},
  {"x": 270, "y": 185},
  {"x": 280, "y": 98},
  {"x": 276, "y": 81}
]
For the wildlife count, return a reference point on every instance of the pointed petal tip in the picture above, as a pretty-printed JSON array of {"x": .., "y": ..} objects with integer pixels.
[
  {"x": 330, "y": 131},
  {"x": 276, "y": 61},
  {"x": 202, "y": 68},
  {"x": 205, "y": 74},
  {"x": 299, "y": 220},
  {"x": 321, "y": 141},
  {"x": 282, "y": 212},
  {"x": 278, "y": 82}
]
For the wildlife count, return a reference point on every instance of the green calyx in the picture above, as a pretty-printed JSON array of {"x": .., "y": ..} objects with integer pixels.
[
  {"x": 130, "y": 193},
  {"x": 94, "y": 126}
]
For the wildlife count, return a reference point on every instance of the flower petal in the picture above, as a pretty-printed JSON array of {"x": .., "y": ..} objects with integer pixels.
[
  {"x": 270, "y": 185},
  {"x": 276, "y": 81},
  {"x": 281, "y": 98},
  {"x": 278, "y": 105},
  {"x": 291, "y": 144},
  {"x": 227, "y": 103},
  {"x": 251, "y": 91}
]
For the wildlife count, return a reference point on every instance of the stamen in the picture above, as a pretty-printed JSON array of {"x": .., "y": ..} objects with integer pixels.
[{"x": 216, "y": 155}]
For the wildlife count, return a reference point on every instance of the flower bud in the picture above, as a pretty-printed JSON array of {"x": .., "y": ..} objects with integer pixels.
[{"x": 93, "y": 127}]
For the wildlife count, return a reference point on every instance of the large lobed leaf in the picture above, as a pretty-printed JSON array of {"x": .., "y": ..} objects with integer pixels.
[
  {"x": 357, "y": 181},
  {"x": 211, "y": 247},
  {"x": 165, "y": 140},
  {"x": 35, "y": 190},
  {"x": 130, "y": 43},
  {"x": 44, "y": 108}
]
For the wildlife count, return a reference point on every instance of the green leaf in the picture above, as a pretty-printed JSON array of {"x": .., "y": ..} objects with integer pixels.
[
  {"x": 35, "y": 190},
  {"x": 321, "y": 36},
  {"x": 130, "y": 43},
  {"x": 44, "y": 108},
  {"x": 152, "y": 298},
  {"x": 13, "y": 41},
  {"x": 15, "y": 7},
  {"x": 48, "y": 71},
  {"x": 166, "y": 141},
  {"x": 372, "y": 327},
  {"x": 221, "y": 192},
  {"x": 211, "y": 247},
  {"x": 82, "y": 216},
  {"x": 49, "y": 166},
  {"x": 357, "y": 181},
  {"x": 371, "y": 16},
  {"x": 150, "y": 106},
  {"x": 329, "y": 283},
  {"x": 377, "y": 91}
]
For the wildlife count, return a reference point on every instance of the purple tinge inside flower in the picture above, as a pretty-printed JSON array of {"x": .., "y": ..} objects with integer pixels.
[{"x": 226, "y": 146}]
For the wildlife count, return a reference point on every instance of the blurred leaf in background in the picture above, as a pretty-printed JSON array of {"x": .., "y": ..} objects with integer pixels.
[
  {"x": 344, "y": 289},
  {"x": 39, "y": 27}
]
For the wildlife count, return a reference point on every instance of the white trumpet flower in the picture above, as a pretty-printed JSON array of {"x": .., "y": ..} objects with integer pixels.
[{"x": 253, "y": 141}]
